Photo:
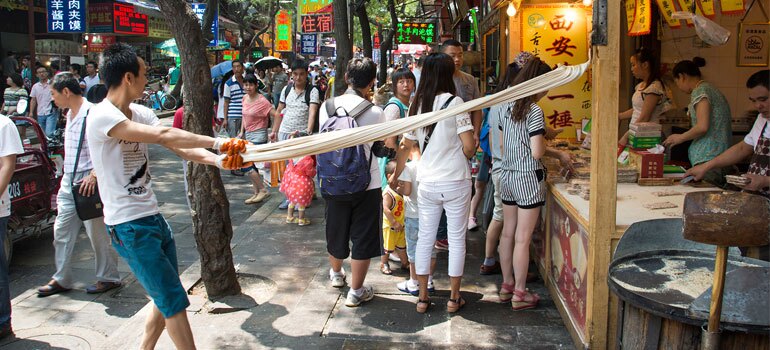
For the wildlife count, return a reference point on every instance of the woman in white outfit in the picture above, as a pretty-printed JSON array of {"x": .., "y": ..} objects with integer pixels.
[{"x": 443, "y": 173}]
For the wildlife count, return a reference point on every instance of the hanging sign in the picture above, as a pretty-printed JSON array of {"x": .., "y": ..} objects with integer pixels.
[
  {"x": 66, "y": 16},
  {"x": 376, "y": 41},
  {"x": 159, "y": 28},
  {"x": 558, "y": 35},
  {"x": 229, "y": 55},
  {"x": 732, "y": 7},
  {"x": 639, "y": 17},
  {"x": 283, "y": 33},
  {"x": 306, "y": 7},
  {"x": 98, "y": 43},
  {"x": 667, "y": 9},
  {"x": 309, "y": 44},
  {"x": 317, "y": 23},
  {"x": 327, "y": 51},
  {"x": 753, "y": 44},
  {"x": 416, "y": 33},
  {"x": 100, "y": 18},
  {"x": 128, "y": 21},
  {"x": 200, "y": 9},
  {"x": 707, "y": 8}
]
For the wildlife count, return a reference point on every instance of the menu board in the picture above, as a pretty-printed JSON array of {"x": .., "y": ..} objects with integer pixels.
[{"x": 128, "y": 21}]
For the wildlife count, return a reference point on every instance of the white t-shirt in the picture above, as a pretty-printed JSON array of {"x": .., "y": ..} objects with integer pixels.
[
  {"x": 753, "y": 136},
  {"x": 443, "y": 159},
  {"x": 10, "y": 143},
  {"x": 90, "y": 82},
  {"x": 410, "y": 175},
  {"x": 370, "y": 117},
  {"x": 122, "y": 167}
]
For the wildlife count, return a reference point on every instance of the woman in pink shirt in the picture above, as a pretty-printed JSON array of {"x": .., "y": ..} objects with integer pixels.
[{"x": 257, "y": 111}]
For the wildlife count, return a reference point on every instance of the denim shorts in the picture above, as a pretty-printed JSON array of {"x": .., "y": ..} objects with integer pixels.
[{"x": 148, "y": 247}]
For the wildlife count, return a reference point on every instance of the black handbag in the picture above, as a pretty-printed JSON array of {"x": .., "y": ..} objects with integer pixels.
[{"x": 87, "y": 207}]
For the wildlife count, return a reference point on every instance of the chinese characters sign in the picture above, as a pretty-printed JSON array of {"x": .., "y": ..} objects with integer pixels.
[
  {"x": 732, "y": 7},
  {"x": 159, "y": 28},
  {"x": 66, "y": 16},
  {"x": 283, "y": 33},
  {"x": 199, "y": 10},
  {"x": 128, "y": 21},
  {"x": 416, "y": 33},
  {"x": 307, "y": 7},
  {"x": 97, "y": 43},
  {"x": 753, "y": 44},
  {"x": 100, "y": 18},
  {"x": 309, "y": 44},
  {"x": 558, "y": 35},
  {"x": 317, "y": 23},
  {"x": 667, "y": 8},
  {"x": 639, "y": 16}
]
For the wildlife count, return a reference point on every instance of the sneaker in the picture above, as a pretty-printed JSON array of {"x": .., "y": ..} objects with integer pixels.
[
  {"x": 490, "y": 270},
  {"x": 408, "y": 288},
  {"x": 472, "y": 223},
  {"x": 354, "y": 300},
  {"x": 431, "y": 288},
  {"x": 442, "y": 244},
  {"x": 337, "y": 278},
  {"x": 394, "y": 257},
  {"x": 284, "y": 205}
]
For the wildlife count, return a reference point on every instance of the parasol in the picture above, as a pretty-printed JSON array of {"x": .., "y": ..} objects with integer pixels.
[{"x": 268, "y": 62}]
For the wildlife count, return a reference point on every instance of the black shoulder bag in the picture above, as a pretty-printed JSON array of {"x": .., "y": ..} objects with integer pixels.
[
  {"x": 87, "y": 207},
  {"x": 433, "y": 126}
]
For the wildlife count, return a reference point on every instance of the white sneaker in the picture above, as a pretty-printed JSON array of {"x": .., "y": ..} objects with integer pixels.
[
  {"x": 408, "y": 287},
  {"x": 337, "y": 278},
  {"x": 431, "y": 288},
  {"x": 394, "y": 257},
  {"x": 354, "y": 300}
]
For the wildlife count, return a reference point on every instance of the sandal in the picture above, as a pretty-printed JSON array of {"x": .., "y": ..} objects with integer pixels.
[
  {"x": 385, "y": 269},
  {"x": 422, "y": 305},
  {"x": 291, "y": 220},
  {"x": 523, "y": 303},
  {"x": 303, "y": 222},
  {"x": 454, "y": 305},
  {"x": 506, "y": 293}
]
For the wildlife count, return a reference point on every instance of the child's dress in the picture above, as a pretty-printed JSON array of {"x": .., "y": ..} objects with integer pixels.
[{"x": 297, "y": 184}]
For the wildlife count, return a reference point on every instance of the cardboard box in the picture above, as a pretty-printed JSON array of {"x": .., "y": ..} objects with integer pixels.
[
  {"x": 642, "y": 142},
  {"x": 648, "y": 164}
]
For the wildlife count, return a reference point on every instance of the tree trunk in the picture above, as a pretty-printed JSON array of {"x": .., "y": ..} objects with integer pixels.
[
  {"x": 386, "y": 44},
  {"x": 366, "y": 30},
  {"x": 344, "y": 45},
  {"x": 210, "y": 207}
]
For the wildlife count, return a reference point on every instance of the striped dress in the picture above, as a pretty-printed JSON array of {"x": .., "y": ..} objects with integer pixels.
[{"x": 522, "y": 177}]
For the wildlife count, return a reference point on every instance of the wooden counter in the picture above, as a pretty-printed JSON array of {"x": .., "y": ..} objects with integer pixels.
[{"x": 562, "y": 254}]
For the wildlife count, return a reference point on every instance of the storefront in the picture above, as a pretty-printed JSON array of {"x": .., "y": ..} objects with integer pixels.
[{"x": 586, "y": 215}]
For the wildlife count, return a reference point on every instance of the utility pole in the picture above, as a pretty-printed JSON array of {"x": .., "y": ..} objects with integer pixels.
[{"x": 31, "y": 36}]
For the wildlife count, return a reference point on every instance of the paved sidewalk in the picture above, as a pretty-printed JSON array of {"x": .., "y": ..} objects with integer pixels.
[{"x": 285, "y": 271}]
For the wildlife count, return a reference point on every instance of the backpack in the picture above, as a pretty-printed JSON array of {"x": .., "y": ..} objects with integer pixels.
[
  {"x": 308, "y": 89},
  {"x": 402, "y": 108},
  {"x": 344, "y": 171}
]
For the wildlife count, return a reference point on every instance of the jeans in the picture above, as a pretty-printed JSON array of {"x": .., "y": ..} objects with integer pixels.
[
  {"x": 48, "y": 123},
  {"x": 65, "y": 234},
  {"x": 452, "y": 197},
  {"x": 233, "y": 126},
  {"x": 5, "y": 285}
]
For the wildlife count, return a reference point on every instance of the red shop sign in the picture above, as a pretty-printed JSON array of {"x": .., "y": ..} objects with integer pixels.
[
  {"x": 98, "y": 43},
  {"x": 128, "y": 21}
]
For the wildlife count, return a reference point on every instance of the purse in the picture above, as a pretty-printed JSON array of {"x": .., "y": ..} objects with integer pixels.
[{"x": 90, "y": 207}]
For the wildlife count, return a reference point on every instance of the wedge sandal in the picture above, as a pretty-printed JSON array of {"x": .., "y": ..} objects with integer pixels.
[{"x": 523, "y": 303}]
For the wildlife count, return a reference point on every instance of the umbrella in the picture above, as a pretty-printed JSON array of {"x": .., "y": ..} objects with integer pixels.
[
  {"x": 168, "y": 48},
  {"x": 268, "y": 62},
  {"x": 316, "y": 63},
  {"x": 221, "y": 69}
]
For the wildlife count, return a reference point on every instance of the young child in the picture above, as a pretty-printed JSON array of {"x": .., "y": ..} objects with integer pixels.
[
  {"x": 298, "y": 187},
  {"x": 393, "y": 223},
  {"x": 412, "y": 224}
]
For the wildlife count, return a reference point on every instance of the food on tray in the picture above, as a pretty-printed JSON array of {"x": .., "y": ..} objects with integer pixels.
[{"x": 660, "y": 205}]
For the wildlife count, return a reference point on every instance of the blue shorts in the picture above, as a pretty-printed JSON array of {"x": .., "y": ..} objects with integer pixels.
[{"x": 148, "y": 247}]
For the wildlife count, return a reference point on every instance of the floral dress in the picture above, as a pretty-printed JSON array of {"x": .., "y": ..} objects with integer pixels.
[
  {"x": 717, "y": 138},
  {"x": 297, "y": 184}
]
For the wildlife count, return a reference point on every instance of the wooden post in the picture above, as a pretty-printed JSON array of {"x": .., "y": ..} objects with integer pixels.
[
  {"x": 715, "y": 311},
  {"x": 604, "y": 134}
]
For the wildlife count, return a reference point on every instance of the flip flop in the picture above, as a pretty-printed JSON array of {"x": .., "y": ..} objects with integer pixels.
[{"x": 51, "y": 288}]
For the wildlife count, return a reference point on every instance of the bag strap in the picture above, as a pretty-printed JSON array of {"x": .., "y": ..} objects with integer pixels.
[
  {"x": 80, "y": 146},
  {"x": 433, "y": 127},
  {"x": 330, "y": 110},
  {"x": 360, "y": 108}
]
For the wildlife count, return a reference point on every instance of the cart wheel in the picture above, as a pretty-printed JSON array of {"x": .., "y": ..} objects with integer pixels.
[
  {"x": 168, "y": 102},
  {"x": 8, "y": 247}
]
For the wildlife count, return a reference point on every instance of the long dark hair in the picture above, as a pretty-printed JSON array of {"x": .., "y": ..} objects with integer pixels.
[
  {"x": 437, "y": 72},
  {"x": 643, "y": 55},
  {"x": 534, "y": 68}
]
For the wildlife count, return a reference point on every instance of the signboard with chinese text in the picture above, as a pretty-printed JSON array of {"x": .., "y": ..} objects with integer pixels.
[
  {"x": 753, "y": 44},
  {"x": 639, "y": 16},
  {"x": 97, "y": 43},
  {"x": 100, "y": 18},
  {"x": 416, "y": 33},
  {"x": 66, "y": 16},
  {"x": 317, "y": 23},
  {"x": 229, "y": 55},
  {"x": 559, "y": 35},
  {"x": 283, "y": 34},
  {"x": 309, "y": 44},
  {"x": 732, "y": 7},
  {"x": 327, "y": 51},
  {"x": 128, "y": 21},
  {"x": 313, "y": 6},
  {"x": 376, "y": 41},
  {"x": 667, "y": 9},
  {"x": 159, "y": 28},
  {"x": 199, "y": 10}
]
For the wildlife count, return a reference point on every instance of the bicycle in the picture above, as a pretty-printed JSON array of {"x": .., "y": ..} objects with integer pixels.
[{"x": 158, "y": 100}]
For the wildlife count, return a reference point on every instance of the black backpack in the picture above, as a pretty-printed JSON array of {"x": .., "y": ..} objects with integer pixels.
[{"x": 308, "y": 89}]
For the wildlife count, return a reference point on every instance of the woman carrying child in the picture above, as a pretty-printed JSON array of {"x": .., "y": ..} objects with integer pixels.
[{"x": 444, "y": 175}]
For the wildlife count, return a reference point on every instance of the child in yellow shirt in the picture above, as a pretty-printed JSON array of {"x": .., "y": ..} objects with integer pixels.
[{"x": 393, "y": 237}]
